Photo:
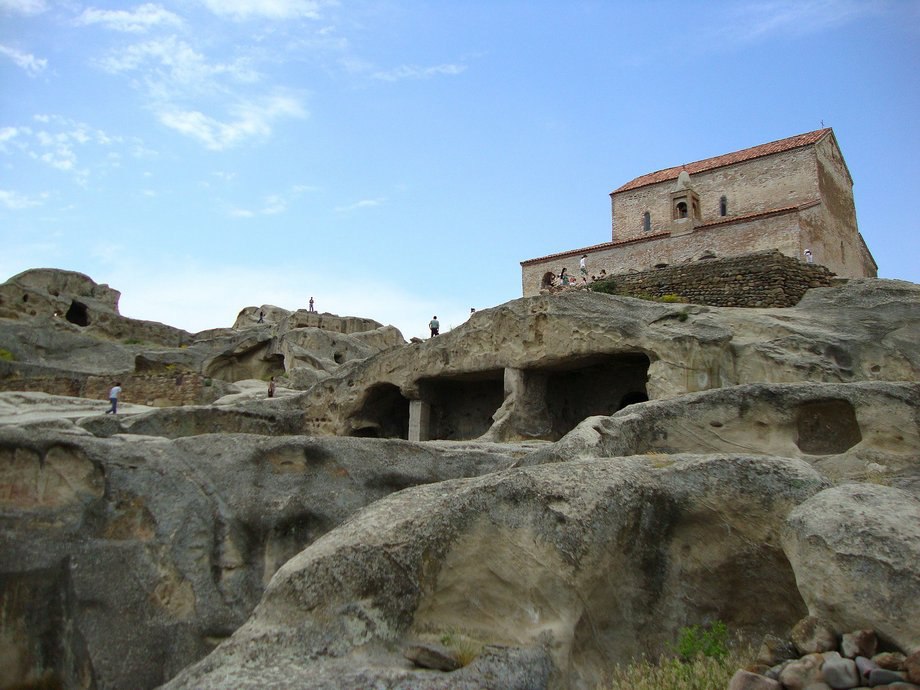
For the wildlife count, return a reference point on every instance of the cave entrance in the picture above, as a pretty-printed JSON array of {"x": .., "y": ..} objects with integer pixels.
[
  {"x": 78, "y": 314},
  {"x": 462, "y": 406},
  {"x": 826, "y": 427},
  {"x": 383, "y": 414},
  {"x": 596, "y": 385}
]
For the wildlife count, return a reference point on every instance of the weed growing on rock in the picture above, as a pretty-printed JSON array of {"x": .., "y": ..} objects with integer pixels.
[
  {"x": 6, "y": 355},
  {"x": 608, "y": 287},
  {"x": 464, "y": 647},
  {"x": 707, "y": 659},
  {"x": 703, "y": 673},
  {"x": 710, "y": 641}
]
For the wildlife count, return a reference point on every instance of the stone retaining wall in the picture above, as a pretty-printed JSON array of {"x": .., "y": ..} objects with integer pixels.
[
  {"x": 157, "y": 390},
  {"x": 761, "y": 279}
]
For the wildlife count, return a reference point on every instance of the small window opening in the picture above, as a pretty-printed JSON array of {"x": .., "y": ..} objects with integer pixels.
[
  {"x": 682, "y": 209},
  {"x": 723, "y": 206},
  {"x": 647, "y": 222}
]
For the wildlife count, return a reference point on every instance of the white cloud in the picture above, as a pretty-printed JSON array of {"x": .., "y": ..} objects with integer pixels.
[
  {"x": 363, "y": 203},
  {"x": 248, "y": 120},
  {"x": 16, "y": 201},
  {"x": 26, "y": 7},
  {"x": 755, "y": 20},
  {"x": 416, "y": 72},
  {"x": 31, "y": 64},
  {"x": 138, "y": 20},
  {"x": 273, "y": 204},
  {"x": 270, "y": 9},
  {"x": 176, "y": 65},
  {"x": 56, "y": 143},
  {"x": 8, "y": 134}
]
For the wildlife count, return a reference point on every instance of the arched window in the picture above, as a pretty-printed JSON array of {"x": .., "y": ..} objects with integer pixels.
[
  {"x": 647, "y": 222},
  {"x": 723, "y": 206},
  {"x": 682, "y": 209}
]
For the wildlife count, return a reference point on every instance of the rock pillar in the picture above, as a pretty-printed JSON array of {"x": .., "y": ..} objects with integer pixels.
[
  {"x": 524, "y": 415},
  {"x": 419, "y": 420}
]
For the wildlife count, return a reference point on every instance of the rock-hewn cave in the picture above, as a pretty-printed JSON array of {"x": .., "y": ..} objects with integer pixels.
[
  {"x": 462, "y": 406},
  {"x": 826, "y": 427},
  {"x": 78, "y": 314},
  {"x": 597, "y": 385},
  {"x": 384, "y": 414},
  {"x": 256, "y": 363}
]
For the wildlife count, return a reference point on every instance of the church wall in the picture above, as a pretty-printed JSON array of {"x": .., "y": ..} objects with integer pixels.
[
  {"x": 784, "y": 179},
  {"x": 780, "y": 232},
  {"x": 836, "y": 233},
  {"x": 796, "y": 178}
]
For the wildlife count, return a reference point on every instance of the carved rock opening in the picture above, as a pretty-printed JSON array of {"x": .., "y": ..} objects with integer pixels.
[
  {"x": 826, "y": 427},
  {"x": 78, "y": 314},
  {"x": 601, "y": 385},
  {"x": 462, "y": 406},
  {"x": 384, "y": 414}
]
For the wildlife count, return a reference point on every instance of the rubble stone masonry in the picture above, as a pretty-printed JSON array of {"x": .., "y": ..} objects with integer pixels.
[{"x": 761, "y": 279}]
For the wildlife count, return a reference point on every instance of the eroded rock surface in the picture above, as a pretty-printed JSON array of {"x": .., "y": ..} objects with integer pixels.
[
  {"x": 159, "y": 549},
  {"x": 590, "y": 562},
  {"x": 659, "y": 466},
  {"x": 855, "y": 550}
]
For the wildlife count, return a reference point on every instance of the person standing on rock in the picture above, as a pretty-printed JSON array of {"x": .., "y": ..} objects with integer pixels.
[
  {"x": 809, "y": 259},
  {"x": 113, "y": 398},
  {"x": 564, "y": 276},
  {"x": 271, "y": 387},
  {"x": 435, "y": 326},
  {"x": 261, "y": 316},
  {"x": 583, "y": 267},
  {"x": 311, "y": 304}
]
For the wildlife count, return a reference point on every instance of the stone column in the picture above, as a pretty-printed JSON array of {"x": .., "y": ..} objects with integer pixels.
[
  {"x": 419, "y": 420},
  {"x": 524, "y": 414}
]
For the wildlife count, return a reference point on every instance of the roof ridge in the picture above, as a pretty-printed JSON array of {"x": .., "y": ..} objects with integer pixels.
[{"x": 739, "y": 156}]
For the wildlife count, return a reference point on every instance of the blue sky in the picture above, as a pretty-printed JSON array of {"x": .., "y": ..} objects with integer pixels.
[{"x": 396, "y": 160}]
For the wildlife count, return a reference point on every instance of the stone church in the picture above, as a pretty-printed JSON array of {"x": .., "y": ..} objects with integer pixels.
[{"x": 791, "y": 195}]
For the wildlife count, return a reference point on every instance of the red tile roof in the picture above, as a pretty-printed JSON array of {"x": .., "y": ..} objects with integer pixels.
[{"x": 788, "y": 144}]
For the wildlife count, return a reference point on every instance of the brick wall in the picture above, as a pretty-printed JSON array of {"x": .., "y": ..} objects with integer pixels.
[{"x": 761, "y": 279}]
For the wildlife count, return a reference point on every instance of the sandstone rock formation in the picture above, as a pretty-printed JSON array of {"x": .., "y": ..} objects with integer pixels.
[
  {"x": 604, "y": 471},
  {"x": 534, "y": 368},
  {"x": 62, "y": 334},
  {"x": 588, "y": 562},
  {"x": 150, "y": 551}
]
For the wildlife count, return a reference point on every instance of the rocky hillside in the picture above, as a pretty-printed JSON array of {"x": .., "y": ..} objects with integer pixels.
[{"x": 590, "y": 474}]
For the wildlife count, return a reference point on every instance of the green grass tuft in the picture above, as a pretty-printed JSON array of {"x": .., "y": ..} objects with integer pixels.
[{"x": 707, "y": 659}]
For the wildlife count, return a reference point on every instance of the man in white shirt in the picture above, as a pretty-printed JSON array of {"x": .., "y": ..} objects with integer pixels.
[{"x": 113, "y": 398}]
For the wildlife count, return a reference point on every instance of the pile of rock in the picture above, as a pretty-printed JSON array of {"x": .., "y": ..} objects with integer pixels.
[{"x": 814, "y": 658}]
